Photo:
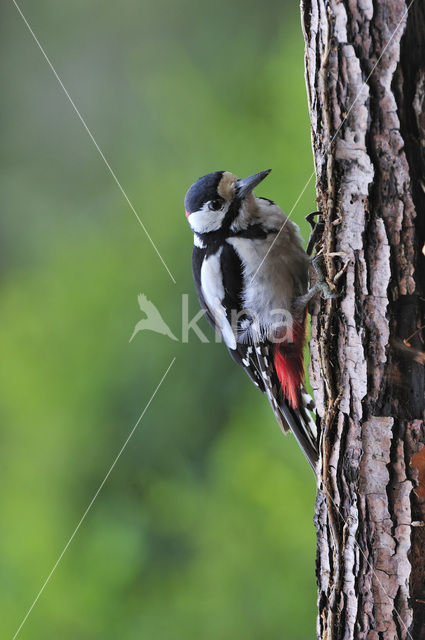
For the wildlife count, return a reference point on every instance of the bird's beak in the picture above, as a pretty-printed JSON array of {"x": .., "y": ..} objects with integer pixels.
[{"x": 246, "y": 185}]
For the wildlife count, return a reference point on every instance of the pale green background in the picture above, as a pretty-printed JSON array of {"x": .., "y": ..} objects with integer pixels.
[{"x": 204, "y": 528}]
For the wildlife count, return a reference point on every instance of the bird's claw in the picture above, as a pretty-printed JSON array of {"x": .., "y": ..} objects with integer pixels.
[
  {"x": 321, "y": 285},
  {"x": 326, "y": 292}
]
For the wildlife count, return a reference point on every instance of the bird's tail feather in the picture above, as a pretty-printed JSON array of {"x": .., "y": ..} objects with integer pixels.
[
  {"x": 294, "y": 418},
  {"x": 304, "y": 429}
]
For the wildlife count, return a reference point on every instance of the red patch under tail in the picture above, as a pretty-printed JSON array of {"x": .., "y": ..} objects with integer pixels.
[{"x": 289, "y": 365}]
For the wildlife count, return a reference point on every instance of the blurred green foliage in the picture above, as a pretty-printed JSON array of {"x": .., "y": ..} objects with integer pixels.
[{"x": 204, "y": 528}]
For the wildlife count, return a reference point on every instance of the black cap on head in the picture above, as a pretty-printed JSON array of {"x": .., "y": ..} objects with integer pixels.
[{"x": 202, "y": 191}]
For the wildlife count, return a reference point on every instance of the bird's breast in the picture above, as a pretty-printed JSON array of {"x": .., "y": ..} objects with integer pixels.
[{"x": 273, "y": 273}]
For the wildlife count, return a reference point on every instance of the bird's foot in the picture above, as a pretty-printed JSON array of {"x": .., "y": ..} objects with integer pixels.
[{"x": 320, "y": 286}]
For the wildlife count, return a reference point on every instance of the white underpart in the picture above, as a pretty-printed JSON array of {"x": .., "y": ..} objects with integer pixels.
[
  {"x": 282, "y": 277},
  {"x": 213, "y": 291}
]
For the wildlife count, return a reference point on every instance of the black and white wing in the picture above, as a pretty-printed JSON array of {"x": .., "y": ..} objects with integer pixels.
[
  {"x": 218, "y": 286},
  {"x": 218, "y": 280},
  {"x": 298, "y": 420}
]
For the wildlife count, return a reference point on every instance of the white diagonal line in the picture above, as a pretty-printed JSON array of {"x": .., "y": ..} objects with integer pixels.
[
  {"x": 93, "y": 499},
  {"x": 111, "y": 171},
  {"x": 333, "y": 137}
]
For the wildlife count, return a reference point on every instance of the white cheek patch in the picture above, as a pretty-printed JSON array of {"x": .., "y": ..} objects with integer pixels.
[
  {"x": 213, "y": 291},
  {"x": 204, "y": 220}
]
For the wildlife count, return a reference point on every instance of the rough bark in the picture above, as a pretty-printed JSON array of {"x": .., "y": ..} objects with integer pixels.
[{"x": 367, "y": 373}]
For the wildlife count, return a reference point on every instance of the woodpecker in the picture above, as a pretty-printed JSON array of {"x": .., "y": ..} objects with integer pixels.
[{"x": 251, "y": 277}]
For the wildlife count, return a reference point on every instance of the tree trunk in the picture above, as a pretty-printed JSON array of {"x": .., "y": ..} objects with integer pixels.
[{"x": 365, "y": 73}]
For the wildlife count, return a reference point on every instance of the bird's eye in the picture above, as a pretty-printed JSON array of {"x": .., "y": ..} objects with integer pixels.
[{"x": 214, "y": 205}]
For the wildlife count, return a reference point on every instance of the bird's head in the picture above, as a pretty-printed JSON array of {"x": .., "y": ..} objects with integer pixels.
[{"x": 218, "y": 199}]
